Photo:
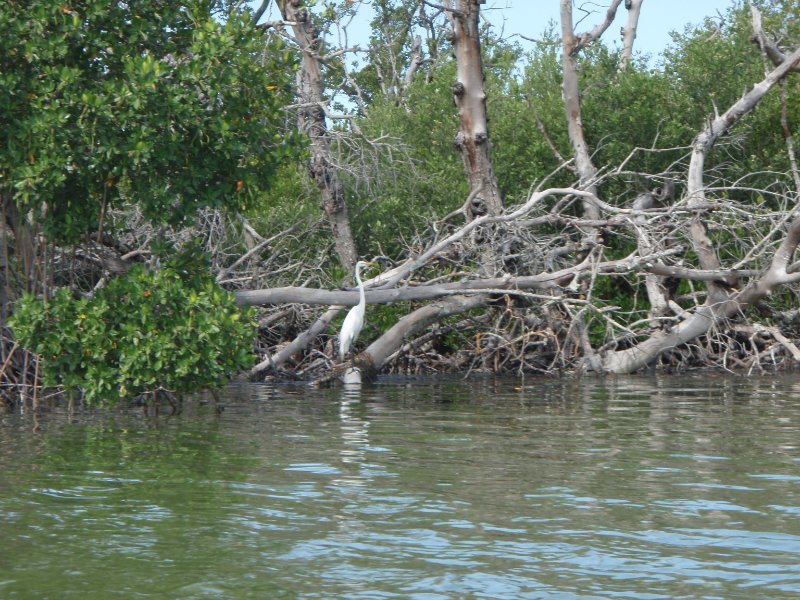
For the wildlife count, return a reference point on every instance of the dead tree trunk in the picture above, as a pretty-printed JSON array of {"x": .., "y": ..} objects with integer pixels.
[
  {"x": 720, "y": 303},
  {"x": 311, "y": 121},
  {"x": 469, "y": 95},
  {"x": 571, "y": 44},
  {"x": 629, "y": 32},
  {"x": 5, "y": 259},
  {"x": 382, "y": 349}
]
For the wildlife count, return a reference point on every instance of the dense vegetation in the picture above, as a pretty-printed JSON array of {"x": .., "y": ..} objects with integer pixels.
[
  {"x": 129, "y": 124},
  {"x": 154, "y": 330},
  {"x": 163, "y": 108}
]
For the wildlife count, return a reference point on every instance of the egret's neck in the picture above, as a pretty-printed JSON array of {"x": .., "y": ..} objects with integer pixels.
[{"x": 361, "y": 297}]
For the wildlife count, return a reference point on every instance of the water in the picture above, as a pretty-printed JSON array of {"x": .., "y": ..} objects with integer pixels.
[{"x": 625, "y": 488}]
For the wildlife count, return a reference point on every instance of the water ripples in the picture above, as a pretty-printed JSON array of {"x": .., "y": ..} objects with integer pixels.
[{"x": 637, "y": 489}]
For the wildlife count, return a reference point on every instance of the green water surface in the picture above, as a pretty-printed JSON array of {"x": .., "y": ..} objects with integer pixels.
[{"x": 623, "y": 488}]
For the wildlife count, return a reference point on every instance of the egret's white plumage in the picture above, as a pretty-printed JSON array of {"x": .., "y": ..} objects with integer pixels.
[{"x": 354, "y": 320}]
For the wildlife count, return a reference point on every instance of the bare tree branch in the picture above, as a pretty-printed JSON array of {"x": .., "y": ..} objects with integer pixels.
[
  {"x": 629, "y": 32},
  {"x": 374, "y": 357},
  {"x": 572, "y": 104},
  {"x": 700, "y": 149},
  {"x": 584, "y": 39},
  {"x": 300, "y": 343},
  {"x": 769, "y": 47},
  {"x": 259, "y": 12}
]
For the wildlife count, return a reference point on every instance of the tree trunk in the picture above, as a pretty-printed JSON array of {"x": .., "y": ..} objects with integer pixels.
[
  {"x": 5, "y": 262},
  {"x": 470, "y": 98},
  {"x": 570, "y": 46},
  {"x": 311, "y": 121},
  {"x": 629, "y": 32}
]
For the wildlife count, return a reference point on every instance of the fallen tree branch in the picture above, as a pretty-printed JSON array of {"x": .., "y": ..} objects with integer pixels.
[
  {"x": 708, "y": 315},
  {"x": 374, "y": 357},
  {"x": 541, "y": 281},
  {"x": 298, "y": 344}
]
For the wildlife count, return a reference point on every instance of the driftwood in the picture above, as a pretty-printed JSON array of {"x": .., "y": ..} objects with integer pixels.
[
  {"x": 721, "y": 304},
  {"x": 532, "y": 309},
  {"x": 729, "y": 289}
]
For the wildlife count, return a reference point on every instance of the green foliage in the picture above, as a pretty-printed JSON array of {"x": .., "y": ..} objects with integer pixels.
[
  {"x": 429, "y": 184},
  {"x": 153, "y": 102},
  {"x": 713, "y": 65},
  {"x": 389, "y": 53},
  {"x": 383, "y": 317},
  {"x": 171, "y": 328}
]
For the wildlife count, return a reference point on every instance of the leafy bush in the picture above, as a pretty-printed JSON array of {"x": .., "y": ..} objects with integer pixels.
[
  {"x": 159, "y": 103},
  {"x": 168, "y": 329}
]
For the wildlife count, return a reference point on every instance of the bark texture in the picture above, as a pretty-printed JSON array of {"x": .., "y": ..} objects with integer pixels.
[
  {"x": 571, "y": 44},
  {"x": 629, "y": 31},
  {"x": 311, "y": 121},
  {"x": 469, "y": 95}
]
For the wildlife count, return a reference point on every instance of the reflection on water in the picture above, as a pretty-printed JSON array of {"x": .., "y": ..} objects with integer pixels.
[{"x": 636, "y": 488}]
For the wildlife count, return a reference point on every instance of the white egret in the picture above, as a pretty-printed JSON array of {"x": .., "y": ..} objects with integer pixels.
[{"x": 354, "y": 320}]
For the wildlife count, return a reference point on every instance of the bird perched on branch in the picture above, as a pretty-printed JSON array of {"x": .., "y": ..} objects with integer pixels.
[{"x": 354, "y": 320}]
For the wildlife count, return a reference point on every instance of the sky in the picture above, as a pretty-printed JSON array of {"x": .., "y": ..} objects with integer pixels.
[
  {"x": 530, "y": 18},
  {"x": 657, "y": 19}
]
